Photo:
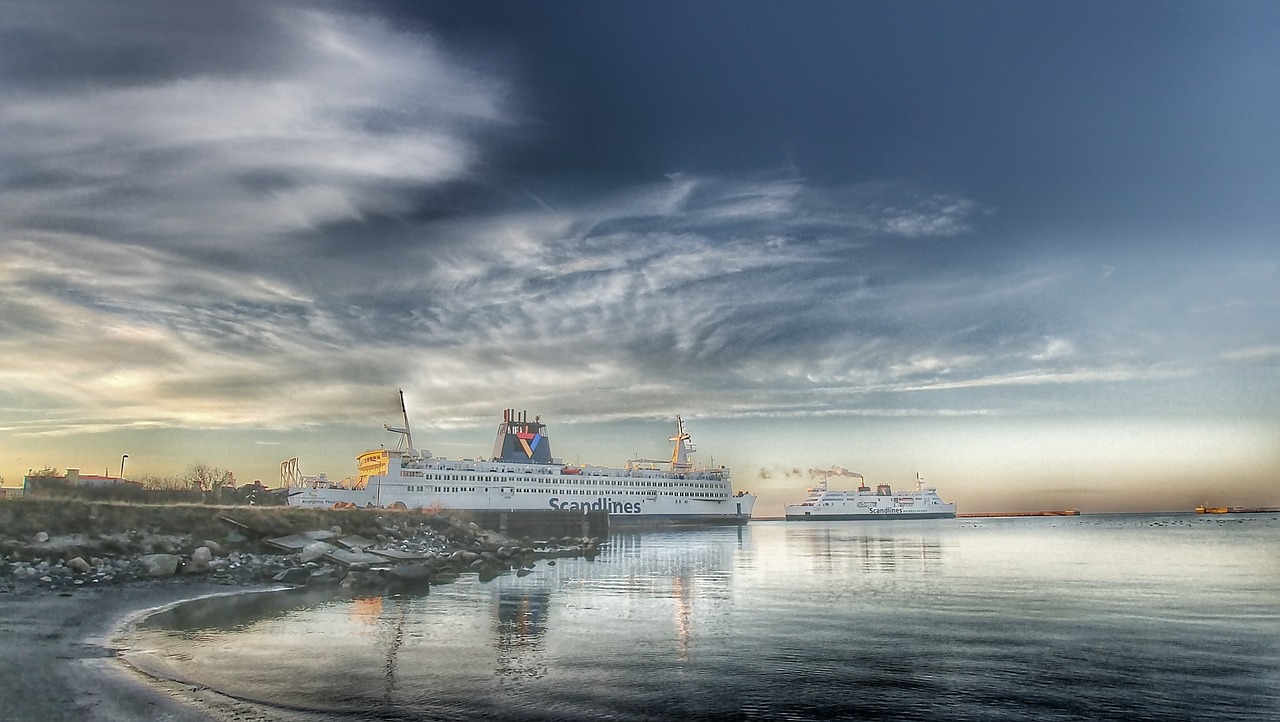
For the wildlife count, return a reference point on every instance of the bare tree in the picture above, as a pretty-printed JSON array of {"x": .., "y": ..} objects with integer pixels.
[
  {"x": 203, "y": 477},
  {"x": 155, "y": 482}
]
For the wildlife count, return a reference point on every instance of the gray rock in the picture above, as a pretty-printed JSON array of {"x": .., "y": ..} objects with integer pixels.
[
  {"x": 357, "y": 582},
  {"x": 295, "y": 575},
  {"x": 315, "y": 550},
  {"x": 214, "y": 547},
  {"x": 78, "y": 564},
  {"x": 411, "y": 576},
  {"x": 199, "y": 561},
  {"x": 42, "y": 537},
  {"x": 323, "y": 577},
  {"x": 160, "y": 565}
]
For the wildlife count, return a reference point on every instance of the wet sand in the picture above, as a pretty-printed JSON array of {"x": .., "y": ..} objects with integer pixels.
[{"x": 61, "y": 662}]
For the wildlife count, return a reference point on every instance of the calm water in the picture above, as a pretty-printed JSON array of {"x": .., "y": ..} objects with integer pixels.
[{"x": 1093, "y": 617}]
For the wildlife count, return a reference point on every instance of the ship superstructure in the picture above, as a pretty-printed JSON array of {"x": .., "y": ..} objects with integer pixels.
[
  {"x": 522, "y": 475},
  {"x": 865, "y": 503}
]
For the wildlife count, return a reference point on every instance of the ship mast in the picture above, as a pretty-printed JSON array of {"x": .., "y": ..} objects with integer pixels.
[
  {"x": 406, "y": 440},
  {"x": 680, "y": 455}
]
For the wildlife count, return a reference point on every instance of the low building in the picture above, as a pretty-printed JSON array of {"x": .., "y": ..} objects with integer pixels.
[{"x": 73, "y": 477}]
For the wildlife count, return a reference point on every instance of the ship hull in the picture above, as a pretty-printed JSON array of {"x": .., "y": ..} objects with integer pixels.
[
  {"x": 869, "y": 517},
  {"x": 624, "y": 510},
  {"x": 617, "y": 521}
]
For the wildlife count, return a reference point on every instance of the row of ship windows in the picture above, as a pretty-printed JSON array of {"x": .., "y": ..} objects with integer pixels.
[
  {"x": 828, "y": 501},
  {"x": 588, "y": 482},
  {"x": 525, "y": 472},
  {"x": 566, "y": 492}
]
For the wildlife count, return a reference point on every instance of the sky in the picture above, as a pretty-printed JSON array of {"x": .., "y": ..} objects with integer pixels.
[{"x": 1028, "y": 251}]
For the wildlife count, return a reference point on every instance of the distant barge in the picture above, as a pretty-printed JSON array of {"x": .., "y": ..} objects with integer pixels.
[
  {"x": 1047, "y": 512},
  {"x": 1202, "y": 509}
]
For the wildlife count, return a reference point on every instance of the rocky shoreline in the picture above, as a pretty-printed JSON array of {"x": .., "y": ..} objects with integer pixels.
[
  {"x": 71, "y": 573},
  {"x": 387, "y": 553}
]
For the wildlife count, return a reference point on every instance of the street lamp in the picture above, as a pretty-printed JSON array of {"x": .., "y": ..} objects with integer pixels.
[{"x": 122, "y": 458}]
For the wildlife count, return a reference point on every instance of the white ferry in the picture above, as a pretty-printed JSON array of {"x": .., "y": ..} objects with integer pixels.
[
  {"x": 862, "y": 503},
  {"x": 522, "y": 475}
]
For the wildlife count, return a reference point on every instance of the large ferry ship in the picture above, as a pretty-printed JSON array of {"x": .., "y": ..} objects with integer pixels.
[
  {"x": 523, "y": 476},
  {"x": 863, "y": 503}
]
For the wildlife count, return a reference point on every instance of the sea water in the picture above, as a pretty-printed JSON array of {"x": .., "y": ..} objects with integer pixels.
[{"x": 1129, "y": 617}]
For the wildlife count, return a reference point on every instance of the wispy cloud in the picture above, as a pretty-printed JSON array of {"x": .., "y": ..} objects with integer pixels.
[
  {"x": 265, "y": 215},
  {"x": 353, "y": 122}
]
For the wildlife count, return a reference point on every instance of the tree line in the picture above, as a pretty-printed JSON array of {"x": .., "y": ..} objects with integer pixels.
[{"x": 199, "y": 483}]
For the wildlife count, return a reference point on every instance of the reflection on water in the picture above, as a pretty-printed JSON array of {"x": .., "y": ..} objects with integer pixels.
[
  {"x": 233, "y": 612},
  {"x": 517, "y": 631},
  {"x": 1081, "y": 618},
  {"x": 842, "y": 550}
]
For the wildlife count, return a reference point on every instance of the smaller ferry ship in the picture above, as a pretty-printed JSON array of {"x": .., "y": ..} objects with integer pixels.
[{"x": 863, "y": 503}]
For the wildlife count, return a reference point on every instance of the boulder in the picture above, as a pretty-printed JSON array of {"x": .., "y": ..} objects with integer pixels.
[
  {"x": 199, "y": 561},
  {"x": 410, "y": 576},
  {"x": 42, "y": 537},
  {"x": 358, "y": 582},
  {"x": 315, "y": 550},
  {"x": 78, "y": 564},
  {"x": 294, "y": 575},
  {"x": 323, "y": 577},
  {"x": 160, "y": 565}
]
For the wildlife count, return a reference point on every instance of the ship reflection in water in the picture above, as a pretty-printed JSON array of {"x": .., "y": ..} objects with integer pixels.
[
  {"x": 843, "y": 549},
  {"x": 924, "y": 620}
]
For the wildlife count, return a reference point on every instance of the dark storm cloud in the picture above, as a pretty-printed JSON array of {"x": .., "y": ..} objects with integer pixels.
[{"x": 79, "y": 44}]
